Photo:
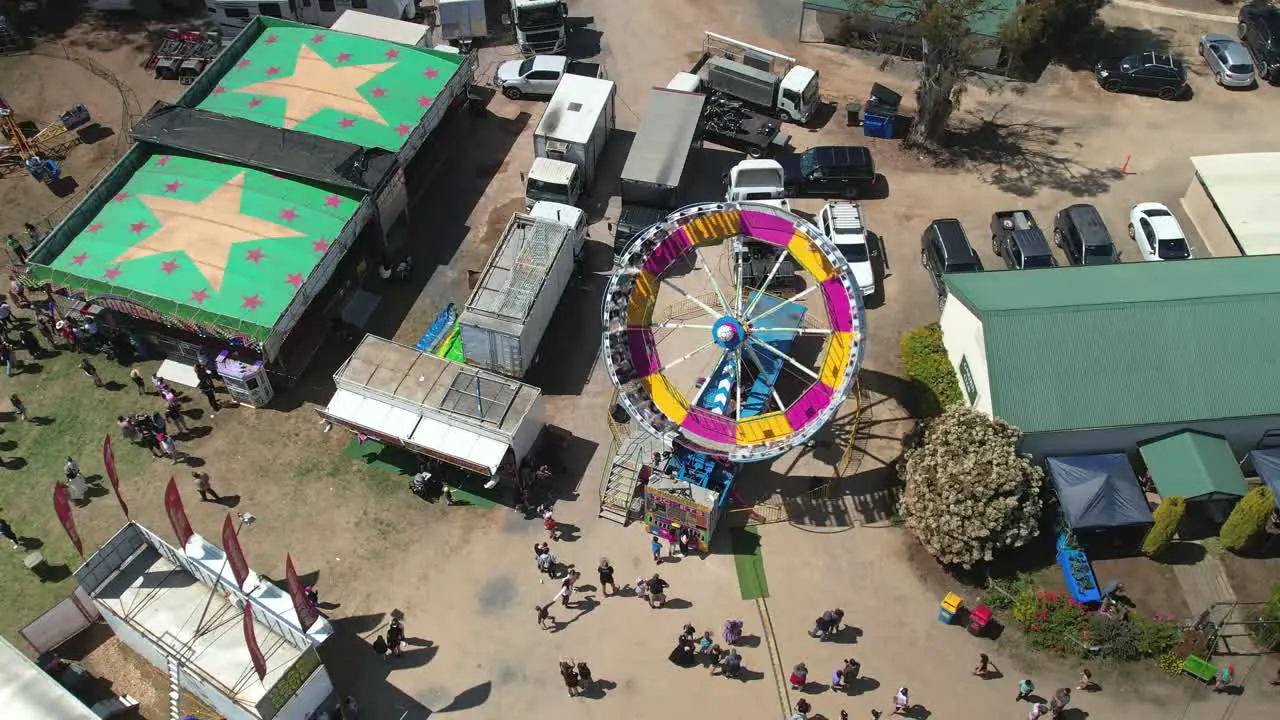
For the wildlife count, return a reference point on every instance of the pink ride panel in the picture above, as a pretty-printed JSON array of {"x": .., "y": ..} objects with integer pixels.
[
  {"x": 814, "y": 401},
  {"x": 838, "y": 307},
  {"x": 643, "y": 358},
  {"x": 670, "y": 250},
  {"x": 710, "y": 426},
  {"x": 767, "y": 228}
]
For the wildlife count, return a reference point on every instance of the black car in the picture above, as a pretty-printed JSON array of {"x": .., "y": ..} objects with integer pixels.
[
  {"x": 1083, "y": 237},
  {"x": 1153, "y": 73},
  {"x": 944, "y": 248},
  {"x": 1259, "y": 31},
  {"x": 830, "y": 171}
]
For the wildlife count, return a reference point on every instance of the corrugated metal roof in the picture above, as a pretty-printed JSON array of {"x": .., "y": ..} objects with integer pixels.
[
  {"x": 661, "y": 147},
  {"x": 1130, "y": 344},
  {"x": 1245, "y": 188}
]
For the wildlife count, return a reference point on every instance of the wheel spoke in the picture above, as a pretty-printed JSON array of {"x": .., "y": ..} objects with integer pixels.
[
  {"x": 680, "y": 326},
  {"x": 773, "y": 388},
  {"x": 737, "y": 384},
  {"x": 705, "y": 307},
  {"x": 794, "y": 298},
  {"x": 796, "y": 330},
  {"x": 706, "y": 385},
  {"x": 712, "y": 277},
  {"x": 760, "y": 291},
  {"x": 788, "y": 359},
  {"x": 686, "y": 356},
  {"x": 737, "y": 287}
]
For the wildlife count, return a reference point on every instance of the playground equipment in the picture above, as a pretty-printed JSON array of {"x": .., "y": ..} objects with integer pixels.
[
  {"x": 182, "y": 55},
  {"x": 33, "y": 152}
]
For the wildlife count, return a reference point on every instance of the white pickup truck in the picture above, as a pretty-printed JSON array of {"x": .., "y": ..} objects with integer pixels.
[
  {"x": 758, "y": 181},
  {"x": 843, "y": 223},
  {"x": 539, "y": 75}
]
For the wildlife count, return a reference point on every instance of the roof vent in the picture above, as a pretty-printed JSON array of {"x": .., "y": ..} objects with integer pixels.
[{"x": 575, "y": 107}]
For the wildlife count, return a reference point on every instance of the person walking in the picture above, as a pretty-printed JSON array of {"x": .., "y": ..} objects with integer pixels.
[
  {"x": 173, "y": 412},
  {"x": 158, "y": 422},
  {"x": 731, "y": 632},
  {"x": 6, "y": 315},
  {"x": 655, "y": 547},
  {"x": 138, "y": 382},
  {"x": 983, "y": 666},
  {"x": 545, "y": 621},
  {"x": 72, "y": 468},
  {"x": 17, "y": 247},
  {"x": 90, "y": 372},
  {"x": 549, "y": 522},
  {"x": 584, "y": 676},
  {"x": 837, "y": 680},
  {"x": 1038, "y": 710},
  {"x": 169, "y": 447},
  {"x": 395, "y": 637},
  {"x": 211, "y": 396},
  {"x": 204, "y": 487},
  {"x": 1061, "y": 698},
  {"x": 1086, "y": 680},
  {"x": 714, "y": 656},
  {"x": 657, "y": 591},
  {"x": 46, "y": 330},
  {"x": 902, "y": 702},
  {"x": 19, "y": 407},
  {"x": 8, "y": 534},
  {"x": 827, "y": 624},
  {"x": 6, "y": 357},
  {"x": 799, "y": 676},
  {"x": 803, "y": 708},
  {"x": 349, "y": 710},
  {"x": 1025, "y": 688},
  {"x": 605, "y": 571},
  {"x": 570, "y": 677}
]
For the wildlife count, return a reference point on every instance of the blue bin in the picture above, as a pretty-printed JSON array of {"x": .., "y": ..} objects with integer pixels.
[
  {"x": 945, "y": 617},
  {"x": 878, "y": 126}
]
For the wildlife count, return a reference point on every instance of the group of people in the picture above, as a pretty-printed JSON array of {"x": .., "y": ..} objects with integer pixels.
[
  {"x": 577, "y": 677},
  {"x": 683, "y": 544},
  {"x": 392, "y": 645},
  {"x": 152, "y": 431},
  {"x": 693, "y": 649}
]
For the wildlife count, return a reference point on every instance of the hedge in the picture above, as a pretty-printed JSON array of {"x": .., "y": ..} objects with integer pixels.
[
  {"x": 1168, "y": 516},
  {"x": 1248, "y": 521},
  {"x": 925, "y": 364}
]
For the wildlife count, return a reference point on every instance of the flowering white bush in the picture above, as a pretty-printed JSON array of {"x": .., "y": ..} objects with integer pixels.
[{"x": 968, "y": 494}]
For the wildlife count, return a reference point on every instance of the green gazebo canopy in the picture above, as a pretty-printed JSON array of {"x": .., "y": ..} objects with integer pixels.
[{"x": 1193, "y": 465}]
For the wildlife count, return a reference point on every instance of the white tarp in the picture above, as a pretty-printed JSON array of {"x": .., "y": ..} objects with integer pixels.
[
  {"x": 372, "y": 414},
  {"x": 455, "y": 442},
  {"x": 28, "y": 693}
]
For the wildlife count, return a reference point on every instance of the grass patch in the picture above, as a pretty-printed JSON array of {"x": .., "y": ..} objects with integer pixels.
[
  {"x": 748, "y": 560},
  {"x": 383, "y": 462}
]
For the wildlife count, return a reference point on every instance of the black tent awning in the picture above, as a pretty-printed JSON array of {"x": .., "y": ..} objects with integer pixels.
[{"x": 1098, "y": 491}]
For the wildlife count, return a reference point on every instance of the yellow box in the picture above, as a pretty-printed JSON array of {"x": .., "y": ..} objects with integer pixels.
[{"x": 952, "y": 602}]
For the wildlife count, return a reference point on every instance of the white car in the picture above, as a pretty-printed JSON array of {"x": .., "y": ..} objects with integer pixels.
[
  {"x": 842, "y": 222},
  {"x": 1158, "y": 234}
]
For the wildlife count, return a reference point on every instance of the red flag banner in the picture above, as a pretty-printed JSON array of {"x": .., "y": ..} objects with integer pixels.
[
  {"x": 235, "y": 556},
  {"x": 307, "y": 613},
  {"x": 62, "y": 506},
  {"x": 251, "y": 640},
  {"x": 177, "y": 513},
  {"x": 109, "y": 460}
]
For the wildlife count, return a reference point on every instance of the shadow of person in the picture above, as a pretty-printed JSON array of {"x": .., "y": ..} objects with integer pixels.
[
  {"x": 751, "y": 641},
  {"x": 228, "y": 501},
  {"x": 860, "y": 685},
  {"x": 417, "y": 657},
  {"x": 472, "y": 697},
  {"x": 918, "y": 712},
  {"x": 677, "y": 604},
  {"x": 42, "y": 421},
  {"x": 849, "y": 635},
  {"x": 599, "y": 689},
  {"x": 567, "y": 532}
]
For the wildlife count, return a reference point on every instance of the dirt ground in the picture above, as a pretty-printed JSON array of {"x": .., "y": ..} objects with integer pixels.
[{"x": 464, "y": 577}]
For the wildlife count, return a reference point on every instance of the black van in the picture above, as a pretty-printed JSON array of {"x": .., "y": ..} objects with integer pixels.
[
  {"x": 944, "y": 248},
  {"x": 830, "y": 171},
  {"x": 1083, "y": 237}
]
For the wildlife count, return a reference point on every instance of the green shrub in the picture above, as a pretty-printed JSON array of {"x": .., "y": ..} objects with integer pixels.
[
  {"x": 1248, "y": 521},
  {"x": 1168, "y": 516},
  {"x": 1115, "y": 638},
  {"x": 1266, "y": 632},
  {"x": 1157, "y": 636},
  {"x": 1051, "y": 621},
  {"x": 925, "y": 364}
]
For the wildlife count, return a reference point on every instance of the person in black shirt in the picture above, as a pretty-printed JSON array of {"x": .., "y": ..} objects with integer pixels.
[
  {"x": 657, "y": 591},
  {"x": 607, "y": 586}
]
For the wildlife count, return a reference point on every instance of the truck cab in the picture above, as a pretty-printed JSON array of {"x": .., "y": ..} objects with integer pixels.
[
  {"x": 540, "y": 25},
  {"x": 842, "y": 222},
  {"x": 758, "y": 180},
  {"x": 798, "y": 94},
  {"x": 567, "y": 215},
  {"x": 553, "y": 180},
  {"x": 763, "y": 78}
]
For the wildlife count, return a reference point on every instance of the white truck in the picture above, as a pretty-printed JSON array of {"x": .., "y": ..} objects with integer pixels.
[
  {"x": 764, "y": 79},
  {"x": 541, "y": 26},
  {"x": 845, "y": 226},
  {"x": 570, "y": 139},
  {"x": 504, "y": 320},
  {"x": 462, "y": 21},
  {"x": 540, "y": 74},
  {"x": 231, "y": 16},
  {"x": 758, "y": 180}
]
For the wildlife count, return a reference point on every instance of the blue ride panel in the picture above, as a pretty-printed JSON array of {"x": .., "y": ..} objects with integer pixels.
[
  {"x": 436, "y": 332},
  {"x": 756, "y": 399},
  {"x": 715, "y": 396}
]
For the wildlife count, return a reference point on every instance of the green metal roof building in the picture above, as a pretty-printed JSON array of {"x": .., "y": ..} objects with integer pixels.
[{"x": 1100, "y": 359}]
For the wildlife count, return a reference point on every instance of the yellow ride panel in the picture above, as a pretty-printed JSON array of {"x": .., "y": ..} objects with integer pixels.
[
  {"x": 763, "y": 427},
  {"x": 837, "y": 358},
  {"x": 643, "y": 296},
  {"x": 814, "y": 262},
  {"x": 669, "y": 400},
  {"x": 713, "y": 228}
]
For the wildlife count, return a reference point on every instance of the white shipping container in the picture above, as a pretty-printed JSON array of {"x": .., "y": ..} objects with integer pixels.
[
  {"x": 383, "y": 28},
  {"x": 503, "y": 321},
  {"x": 462, "y": 19},
  {"x": 576, "y": 124}
]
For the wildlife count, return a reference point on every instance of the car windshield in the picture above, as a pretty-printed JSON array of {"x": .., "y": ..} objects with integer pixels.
[
  {"x": 525, "y": 67},
  {"x": 855, "y": 253},
  {"x": 1240, "y": 68},
  {"x": 1099, "y": 251},
  {"x": 1158, "y": 213},
  {"x": 1173, "y": 249},
  {"x": 962, "y": 267},
  {"x": 1037, "y": 261},
  {"x": 1131, "y": 63}
]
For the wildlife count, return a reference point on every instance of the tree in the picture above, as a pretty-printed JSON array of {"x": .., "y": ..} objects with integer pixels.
[
  {"x": 1062, "y": 29},
  {"x": 968, "y": 493},
  {"x": 1248, "y": 520},
  {"x": 925, "y": 363},
  {"x": 945, "y": 30},
  {"x": 1166, "y": 520}
]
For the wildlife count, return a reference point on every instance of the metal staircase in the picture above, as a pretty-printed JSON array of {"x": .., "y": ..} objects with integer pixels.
[
  {"x": 622, "y": 477},
  {"x": 175, "y": 687}
]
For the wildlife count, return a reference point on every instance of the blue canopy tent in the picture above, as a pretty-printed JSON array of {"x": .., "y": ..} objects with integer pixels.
[
  {"x": 1098, "y": 492},
  {"x": 1267, "y": 464}
]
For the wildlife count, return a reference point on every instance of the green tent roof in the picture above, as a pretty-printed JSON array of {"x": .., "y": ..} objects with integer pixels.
[
  {"x": 368, "y": 92},
  {"x": 1129, "y": 344},
  {"x": 1192, "y": 464}
]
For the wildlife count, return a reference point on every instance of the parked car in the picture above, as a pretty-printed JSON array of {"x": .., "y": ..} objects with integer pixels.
[
  {"x": 1153, "y": 73},
  {"x": 1158, "y": 234},
  {"x": 539, "y": 75},
  {"x": 1083, "y": 237},
  {"x": 944, "y": 248},
  {"x": 1228, "y": 60},
  {"x": 829, "y": 171},
  {"x": 1016, "y": 239},
  {"x": 842, "y": 222},
  {"x": 1259, "y": 30}
]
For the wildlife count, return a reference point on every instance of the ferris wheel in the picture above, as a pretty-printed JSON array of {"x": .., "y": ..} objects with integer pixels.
[{"x": 734, "y": 329}]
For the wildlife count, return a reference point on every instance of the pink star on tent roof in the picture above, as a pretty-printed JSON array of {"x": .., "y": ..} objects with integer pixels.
[
  {"x": 392, "y": 54},
  {"x": 168, "y": 266},
  {"x": 424, "y": 101},
  {"x": 79, "y": 259},
  {"x": 251, "y": 302},
  {"x": 94, "y": 228},
  {"x": 255, "y": 102},
  {"x": 138, "y": 227},
  {"x": 199, "y": 296},
  {"x": 245, "y": 62},
  {"x": 319, "y": 245},
  {"x": 378, "y": 92},
  {"x": 317, "y": 38},
  {"x": 254, "y": 256},
  {"x": 431, "y": 73},
  {"x": 112, "y": 273},
  {"x": 163, "y": 160},
  {"x": 271, "y": 40},
  {"x": 173, "y": 186},
  {"x": 295, "y": 279},
  {"x": 273, "y": 70},
  {"x": 332, "y": 201},
  {"x": 289, "y": 214},
  {"x": 343, "y": 57},
  {"x": 219, "y": 90},
  {"x": 121, "y": 197},
  {"x": 346, "y": 122},
  {"x": 403, "y": 129}
]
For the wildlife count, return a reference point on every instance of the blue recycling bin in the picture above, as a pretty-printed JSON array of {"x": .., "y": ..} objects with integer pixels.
[{"x": 878, "y": 126}]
